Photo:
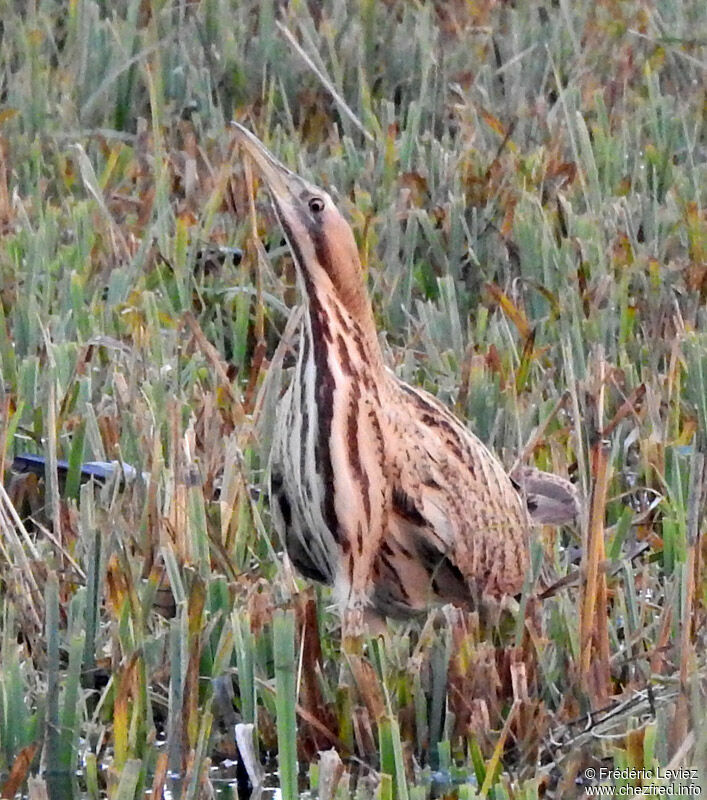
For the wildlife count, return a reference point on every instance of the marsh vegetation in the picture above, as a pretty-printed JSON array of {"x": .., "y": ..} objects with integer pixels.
[{"x": 526, "y": 183}]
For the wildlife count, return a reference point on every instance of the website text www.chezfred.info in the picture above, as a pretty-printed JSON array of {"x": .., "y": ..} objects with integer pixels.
[{"x": 653, "y": 783}]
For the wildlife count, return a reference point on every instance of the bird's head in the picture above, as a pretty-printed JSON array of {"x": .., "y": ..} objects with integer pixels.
[{"x": 320, "y": 238}]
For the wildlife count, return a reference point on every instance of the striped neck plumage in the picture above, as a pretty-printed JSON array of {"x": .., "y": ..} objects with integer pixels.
[{"x": 330, "y": 276}]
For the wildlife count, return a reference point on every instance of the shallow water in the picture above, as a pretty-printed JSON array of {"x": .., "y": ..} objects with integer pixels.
[{"x": 227, "y": 782}]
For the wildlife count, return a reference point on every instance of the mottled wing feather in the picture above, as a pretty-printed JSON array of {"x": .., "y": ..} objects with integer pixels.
[
  {"x": 465, "y": 506},
  {"x": 412, "y": 570}
]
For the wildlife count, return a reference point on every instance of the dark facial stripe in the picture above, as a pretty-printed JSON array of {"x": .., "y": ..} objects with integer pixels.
[
  {"x": 319, "y": 242},
  {"x": 300, "y": 261},
  {"x": 321, "y": 251}
]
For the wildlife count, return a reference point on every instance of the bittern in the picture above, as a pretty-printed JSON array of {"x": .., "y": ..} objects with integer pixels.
[{"x": 376, "y": 488}]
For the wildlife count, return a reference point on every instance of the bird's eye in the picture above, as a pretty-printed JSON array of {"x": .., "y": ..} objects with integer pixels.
[{"x": 316, "y": 205}]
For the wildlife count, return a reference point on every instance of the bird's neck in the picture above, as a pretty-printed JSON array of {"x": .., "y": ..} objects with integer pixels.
[
  {"x": 342, "y": 317},
  {"x": 332, "y": 279}
]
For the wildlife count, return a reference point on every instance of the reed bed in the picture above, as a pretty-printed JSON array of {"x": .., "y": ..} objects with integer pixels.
[{"x": 526, "y": 185}]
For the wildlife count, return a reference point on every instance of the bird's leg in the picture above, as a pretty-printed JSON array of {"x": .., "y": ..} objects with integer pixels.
[
  {"x": 358, "y": 623},
  {"x": 353, "y": 629}
]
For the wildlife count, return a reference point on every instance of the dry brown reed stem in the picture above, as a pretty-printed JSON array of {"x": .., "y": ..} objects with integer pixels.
[
  {"x": 495, "y": 760},
  {"x": 160, "y": 777},
  {"x": 195, "y": 619},
  {"x": 18, "y": 772},
  {"x": 5, "y": 417},
  {"x": 177, "y": 513},
  {"x": 594, "y": 633},
  {"x": 693, "y": 535},
  {"x": 260, "y": 251}
]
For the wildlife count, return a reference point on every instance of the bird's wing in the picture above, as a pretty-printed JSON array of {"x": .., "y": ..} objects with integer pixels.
[
  {"x": 454, "y": 502},
  {"x": 414, "y": 567}
]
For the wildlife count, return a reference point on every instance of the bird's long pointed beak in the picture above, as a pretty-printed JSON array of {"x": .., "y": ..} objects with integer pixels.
[{"x": 282, "y": 182}]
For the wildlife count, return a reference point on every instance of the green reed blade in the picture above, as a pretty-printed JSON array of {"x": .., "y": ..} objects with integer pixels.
[{"x": 285, "y": 700}]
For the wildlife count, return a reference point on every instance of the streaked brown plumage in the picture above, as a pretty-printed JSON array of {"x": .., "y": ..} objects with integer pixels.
[{"x": 376, "y": 488}]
